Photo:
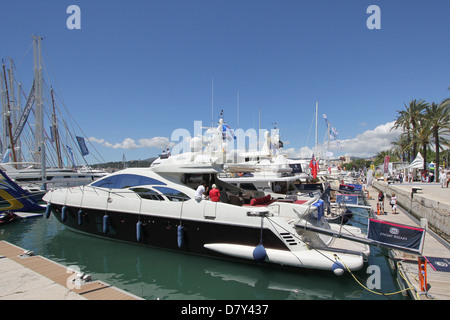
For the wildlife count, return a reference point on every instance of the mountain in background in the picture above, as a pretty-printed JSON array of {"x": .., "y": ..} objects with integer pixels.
[{"x": 119, "y": 165}]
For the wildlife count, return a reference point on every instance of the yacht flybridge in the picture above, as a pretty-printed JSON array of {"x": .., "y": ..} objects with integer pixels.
[{"x": 156, "y": 207}]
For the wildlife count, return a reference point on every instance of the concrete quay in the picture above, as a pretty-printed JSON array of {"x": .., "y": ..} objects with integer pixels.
[
  {"x": 29, "y": 277},
  {"x": 430, "y": 197},
  {"x": 421, "y": 200}
]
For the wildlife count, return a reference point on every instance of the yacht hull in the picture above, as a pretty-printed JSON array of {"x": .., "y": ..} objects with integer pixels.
[
  {"x": 203, "y": 237},
  {"x": 163, "y": 232}
]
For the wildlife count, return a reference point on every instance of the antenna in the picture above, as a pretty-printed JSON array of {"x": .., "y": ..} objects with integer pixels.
[
  {"x": 238, "y": 109},
  {"x": 212, "y": 102}
]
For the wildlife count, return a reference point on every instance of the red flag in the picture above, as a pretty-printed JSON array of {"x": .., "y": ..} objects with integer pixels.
[
  {"x": 314, "y": 165},
  {"x": 386, "y": 164}
]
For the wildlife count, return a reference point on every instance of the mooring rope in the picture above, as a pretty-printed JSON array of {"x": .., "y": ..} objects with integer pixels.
[{"x": 376, "y": 292}]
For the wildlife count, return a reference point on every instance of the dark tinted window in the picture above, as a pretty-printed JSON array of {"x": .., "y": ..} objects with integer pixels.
[
  {"x": 121, "y": 181},
  {"x": 296, "y": 167},
  {"x": 148, "y": 194},
  {"x": 248, "y": 186},
  {"x": 172, "y": 194}
]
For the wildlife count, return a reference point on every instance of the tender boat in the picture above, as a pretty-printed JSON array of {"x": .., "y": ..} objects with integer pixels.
[
  {"x": 157, "y": 207},
  {"x": 7, "y": 217}
]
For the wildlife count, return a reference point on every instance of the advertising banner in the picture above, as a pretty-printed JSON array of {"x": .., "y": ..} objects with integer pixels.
[
  {"x": 347, "y": 198},
  {"x": 397, "y": 236}
]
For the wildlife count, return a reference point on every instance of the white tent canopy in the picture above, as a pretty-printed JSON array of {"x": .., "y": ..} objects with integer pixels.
[{"x": 417, "y": 163}]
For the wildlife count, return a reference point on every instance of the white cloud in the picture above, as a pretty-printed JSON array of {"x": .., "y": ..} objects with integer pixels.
[
  {"x": 303, "y": 152},
  {"x": 369, "y": 142},
  {"x": 364, "y": 145},
  {"x": 131, "y": 144}
]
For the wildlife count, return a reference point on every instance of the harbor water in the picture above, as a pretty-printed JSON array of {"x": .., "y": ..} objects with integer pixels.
[{"x": 159, "y": 274}]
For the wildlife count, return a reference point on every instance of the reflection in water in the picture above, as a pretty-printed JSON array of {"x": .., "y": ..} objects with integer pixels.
[{"x": 160, "y": 274}]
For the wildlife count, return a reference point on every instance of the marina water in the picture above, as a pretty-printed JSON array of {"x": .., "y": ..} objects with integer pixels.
[{"x": 160, "y": 274}]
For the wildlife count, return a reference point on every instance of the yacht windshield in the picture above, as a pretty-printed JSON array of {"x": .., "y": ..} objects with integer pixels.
[{"x": 121, "y": 181}]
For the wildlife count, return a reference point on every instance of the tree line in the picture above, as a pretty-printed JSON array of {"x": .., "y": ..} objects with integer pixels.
[{"x": 425, "y": 125}]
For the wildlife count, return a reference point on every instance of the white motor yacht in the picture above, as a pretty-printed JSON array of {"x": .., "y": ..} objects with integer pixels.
[{"x": 157, "y": 207}]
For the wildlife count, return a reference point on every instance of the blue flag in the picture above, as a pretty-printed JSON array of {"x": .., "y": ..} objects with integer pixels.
[
  {"x": 71, "y": 155},
  {"x": 83, "y": 147}
]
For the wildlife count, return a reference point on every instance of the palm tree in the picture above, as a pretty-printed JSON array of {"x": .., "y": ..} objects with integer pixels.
[
  {"x": 404, "y": 121},
  {"x": 422, "y": 136},
  {"x": 438, "y": 118},
  {"x": 400, "y": 146},
  {"x": 409, "y": 119}
]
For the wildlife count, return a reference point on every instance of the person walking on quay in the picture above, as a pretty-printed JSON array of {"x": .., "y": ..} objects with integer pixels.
[
  {"x": 443, "y": 178},
  {"x": 394, "y": 203},
  {"x": 380, "y": 203}
]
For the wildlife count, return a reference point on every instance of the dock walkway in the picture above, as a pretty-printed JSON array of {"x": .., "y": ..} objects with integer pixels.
[
  {"x": 30, "y": 277},
  {"x": 406, "y": 264}
]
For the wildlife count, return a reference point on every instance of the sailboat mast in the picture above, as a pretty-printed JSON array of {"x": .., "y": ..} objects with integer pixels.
[
  {"x": 8, "y": 115},
  {"x": 55, "y": 132},
  {"x": 4, "y": 126},
  {"x": 39, "y": 113},
  {"x": 317, "y": 113},
  {"x": 15, "y": 109}
]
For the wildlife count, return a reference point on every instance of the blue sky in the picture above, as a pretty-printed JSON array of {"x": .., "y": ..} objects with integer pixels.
[{"x": 137, "y": 70}]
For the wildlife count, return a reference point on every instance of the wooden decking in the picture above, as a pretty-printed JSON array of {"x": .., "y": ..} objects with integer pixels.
[
  {"x": 406, "y": 264},
  {"x": 56, "y": 273}
]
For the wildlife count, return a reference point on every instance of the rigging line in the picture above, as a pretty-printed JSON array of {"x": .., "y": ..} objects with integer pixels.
[
  {"x": 372, "y": 291},
  {"x": 64, "y": 105},
  {"x": 69, "y": 139},
  {"x": 309, "y": 133},
  {"x": 20, "y": 82},
  {"x": 262, "y": 227},
  {"x": 26, "y": 52},
  {"x": 84, "y": 134}
]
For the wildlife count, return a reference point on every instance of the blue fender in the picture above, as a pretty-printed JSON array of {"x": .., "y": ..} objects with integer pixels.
[
  {"x": 64, "y": 213},
  {"x": 259, "y": 254},
  {"x": 105, "y": 224},
  {"x": 180, "y": 235},
  {"x": 138, "y": 231},
  {"x": 48, "y": 210},
  {"x": 80, "y": 217},
  {"x": 337, "y": 268}
]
